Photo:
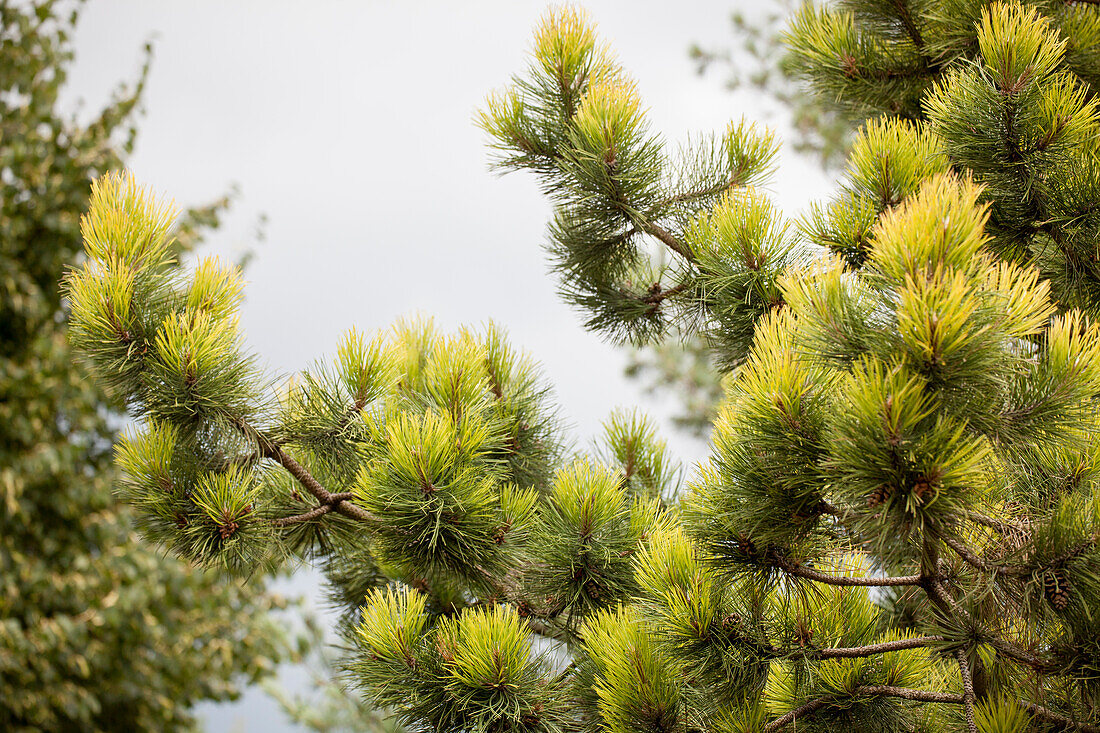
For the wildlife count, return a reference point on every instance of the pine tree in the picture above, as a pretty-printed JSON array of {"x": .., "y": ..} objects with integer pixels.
[
  {"x": 98, "y": 630},
  {"x": 897, "y": 527}
]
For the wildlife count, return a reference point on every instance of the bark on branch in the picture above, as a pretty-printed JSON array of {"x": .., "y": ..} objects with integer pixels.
[
  {"x": 338, "y": 502},
  {"x": 1040, "y": 712},
  {"x": 866, "y": 690},
  {"x": 801, "y": 571},
  {"x": 872, "y": 649}
]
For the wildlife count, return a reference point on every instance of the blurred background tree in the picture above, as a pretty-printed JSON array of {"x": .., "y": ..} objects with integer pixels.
[
  {"x": 98, "y": 631},
  {"x": 758, "y": 59},
  {"x": 327, "y": 705}
]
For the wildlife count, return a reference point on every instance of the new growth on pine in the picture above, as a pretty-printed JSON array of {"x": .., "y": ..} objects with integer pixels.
[{"x": 897, "y": 527}]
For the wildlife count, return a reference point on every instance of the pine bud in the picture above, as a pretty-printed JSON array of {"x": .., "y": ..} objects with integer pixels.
[
  {"x": 227, "y": 529},
  {"x": 746, "y": 545},
  {"x": 803, "y": 632},
  {"x": 879, "y": 495}
]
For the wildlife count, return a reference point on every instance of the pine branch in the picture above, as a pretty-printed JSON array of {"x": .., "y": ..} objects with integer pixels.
[
  {"x": 295, "y": 469},
  {"x": 318, "y": 511},
  {"x": 872, "y": 649},
  {"x": 906, "y": 693},
  {"x": 968, "y": 690},
  {"x": 799, "y": 712},
  {"x": 1053, "y": 717},
  {"x": 882, "y": 690},
  {"x": 901, "y": 72},
  {"x": 655, "y": 230},
  {"x": 699, "y": 193},
  {"x": 946, "y": 603},
  {"x": 905, "y": 15},
  {"x": 1015, "y": 571},
  {"x": 545, "y": 631},
  {"x": 1020, "y": 655},
  {"x": 801, "y": 571},
  {"x": 966, "y": 554},
  {"x": 1073, "y": 552},
  {"x": 999, "y": 525},
  {"x": 657, "y": 295},
  {"x": 667, "y": 238},
  {"x": 339, "y": 502}
]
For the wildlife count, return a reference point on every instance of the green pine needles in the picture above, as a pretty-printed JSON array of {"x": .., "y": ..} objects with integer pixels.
[{"x": 897, "y": 527}]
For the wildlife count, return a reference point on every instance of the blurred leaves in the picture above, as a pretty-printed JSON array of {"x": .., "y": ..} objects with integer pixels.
[{"x": 98, "y": 631}]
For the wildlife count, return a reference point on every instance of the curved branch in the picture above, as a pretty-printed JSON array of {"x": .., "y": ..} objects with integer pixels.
[
  {"x": 869, "y": 690},
  {"x": 685, "y": 196},
  {"x": 1041, "y": 712},
  {"x": 999, "y": 525},
  {"x": 1014, "y": 571},
  {"x": 318, "y": 511},
  {"x": 799, "y": 712},
  {"x": 1017, "y": 571},
  {"x": 339, "y": 503}
]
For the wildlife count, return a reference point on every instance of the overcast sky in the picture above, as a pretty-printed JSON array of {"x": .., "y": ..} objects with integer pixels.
[{"x": 349, "y": 125}]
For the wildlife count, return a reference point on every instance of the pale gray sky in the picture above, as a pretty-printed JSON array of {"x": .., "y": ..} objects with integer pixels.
[{"x": 349, "y": 125}]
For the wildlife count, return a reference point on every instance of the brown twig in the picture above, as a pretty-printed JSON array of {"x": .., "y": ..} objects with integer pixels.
[
  {"x": 799, "y": 712},
  {"x": 685, "y": 196},
  {"x": 1000, "y": 525},
  {"x": 972, "y": 558},
  {"x": 670, "y": 241},
  {"x": 657, "y": 295},
  {"x": 339, "y": 502},
  {"x": 910, "y": 694}
]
